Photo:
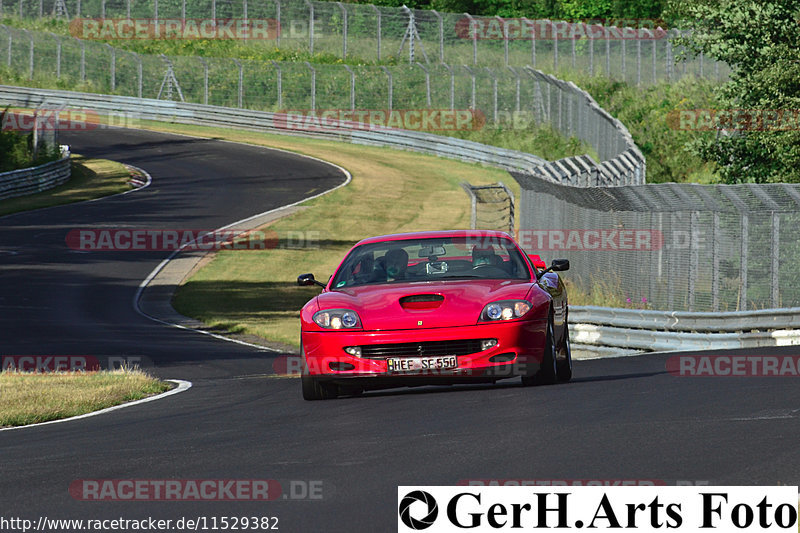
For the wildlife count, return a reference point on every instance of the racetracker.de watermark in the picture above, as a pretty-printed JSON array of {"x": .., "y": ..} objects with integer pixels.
[
  {"x": 600, "y": 239},
  {"x": 380, "y": 119},
  {"x": 45, "y": 364},
  {"x": 174, "y": 28},
  {"x": 130, "y": 239},
  {"x": 768, "y": 120},
  {"x": 209, "y": 490},
  {"x": 513, "y": 29},
  {"x": 734, "y": 365},
  {"x": 67, "y": 120}
]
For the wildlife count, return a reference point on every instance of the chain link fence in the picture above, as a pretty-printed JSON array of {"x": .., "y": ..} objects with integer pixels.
[
  {"x": 642, "y": 55},
  {"x": 431, "y": 95},
  {"x": 681, "y": 247}
]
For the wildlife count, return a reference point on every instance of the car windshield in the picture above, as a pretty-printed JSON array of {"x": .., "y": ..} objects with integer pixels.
[{"x": 432, "y": 260}]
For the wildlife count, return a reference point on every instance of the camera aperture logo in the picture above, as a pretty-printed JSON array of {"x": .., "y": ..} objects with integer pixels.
[{"x": 405, "y": 510}]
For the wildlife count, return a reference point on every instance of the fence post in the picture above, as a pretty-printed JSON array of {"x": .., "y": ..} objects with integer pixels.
[
  {"x": 78, "y": 9},
  {"x": 505, "y": 39},
  {"x": 155, "y": 10},
  {"x": 280, "y": 83},
  {"x": 30, "y": 54},
  {"x": 623, "y": 44},
  {"x": 441, "y": 34},
  {"x": 494, "y": 93},
  {"x": 313, "y": 86},
  {"x": 452, "y": 86},
  {"x": 391, "y": 86},
  {"x": 310, "y": 26},
  {"x": 205, "y": 80},
  {"x": 518, "y": 83},
  {"x": 58, "y": 55},
  {"x": 472, "y": 100},
  {"x": 10, "y": 43},
  {"x": 83, "y": 59},
  {"x": 533, "y": 40},
  {"x": 473, "y": 30},
  {"x": 344, "y": 30},
  {"x": 776, "y": 254},
  {"x": 214, "y": 10},
  {"x": 112, "y": 67},
  {"x": 102, "y": 9},
  {"x": 20, "y": 8},
  {"x": 278, "y": 21},
  {"x": 241, "y": 83},
  {"x": 608, "y": 53},
  {"x": 427, "y": 83},
  {"x": 591, "y": 56},
  {"x": 378, "y": 13},
  {"x": 183, "y": 9},
  {"x": 352, "y": 87},
  {"x": 638, "y": 62},
  {"x": 41, "y": 8},
  {"x": 139, "y": 72},
  {"x": 554, "y": 33}
]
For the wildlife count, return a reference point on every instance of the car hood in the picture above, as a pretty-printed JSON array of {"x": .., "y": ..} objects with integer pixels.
[{"x": 423, "y": 304}]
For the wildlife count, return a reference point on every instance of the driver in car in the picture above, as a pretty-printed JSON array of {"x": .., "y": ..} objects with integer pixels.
[
  {"x": 396, "y": 264},
  {"x": 483, "y": 256}
]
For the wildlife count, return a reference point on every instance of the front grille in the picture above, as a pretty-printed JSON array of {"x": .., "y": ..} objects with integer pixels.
[{"x": 421, "y": 349}]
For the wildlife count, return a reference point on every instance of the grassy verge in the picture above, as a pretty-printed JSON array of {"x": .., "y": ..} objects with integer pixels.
[
  {"x": 29, "y": 398},
  {"x": 91, "y": 178}
]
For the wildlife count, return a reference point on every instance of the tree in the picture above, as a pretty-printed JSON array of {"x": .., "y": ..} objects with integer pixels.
[{"x": 759, "y": 40}]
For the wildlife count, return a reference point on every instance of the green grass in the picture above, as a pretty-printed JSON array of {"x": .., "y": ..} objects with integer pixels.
[
  {"x": 29, "y": 398},
  {"x": 91, "y": 178}
]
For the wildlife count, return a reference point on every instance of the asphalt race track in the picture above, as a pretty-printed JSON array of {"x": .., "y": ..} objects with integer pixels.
[{"x": 620, "y": 419}]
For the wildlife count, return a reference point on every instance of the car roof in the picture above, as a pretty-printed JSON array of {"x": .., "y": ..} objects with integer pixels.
[{"x": 482, "y": 234}]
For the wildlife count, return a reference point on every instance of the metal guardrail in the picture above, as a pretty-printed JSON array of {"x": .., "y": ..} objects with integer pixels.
[
  {"x": 592, "y": 326},
  {"x": 35, "y": 179}
]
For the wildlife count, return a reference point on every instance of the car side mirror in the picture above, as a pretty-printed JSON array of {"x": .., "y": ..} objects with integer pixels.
[
  {"x": 559, "y": 265},
  {"x": 306, "y": 280}
]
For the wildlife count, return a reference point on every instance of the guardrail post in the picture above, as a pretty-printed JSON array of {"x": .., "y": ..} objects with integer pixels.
[
  {"x": 310, "y": 26},
  {"x": 344, "y": 29},
  {"x": 427, "y": 83},
  {"x": 378, "y": 14},
  {"x": 313, "y": 86},
  {"x": 240, "y": 98},
  {"x": 352, "y": 87},
  {"x": 391, "y": 84},
  {"x": 452, "y": 86},
  {"x": 280, "y": 83}
]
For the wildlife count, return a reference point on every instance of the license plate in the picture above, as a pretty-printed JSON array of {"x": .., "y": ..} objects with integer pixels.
[{"x": 415, "y": 364}]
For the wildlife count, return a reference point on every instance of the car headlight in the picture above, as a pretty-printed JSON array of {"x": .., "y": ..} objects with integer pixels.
[
  {"x": 505, "y": 310},
  {"x": 337, "y": 319}
]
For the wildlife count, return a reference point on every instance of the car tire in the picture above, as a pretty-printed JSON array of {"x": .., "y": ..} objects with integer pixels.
[
  {"x": 564, "y": 365},
  {"x": 548, "y": 372},
  {"x": 314, "y": 389}
]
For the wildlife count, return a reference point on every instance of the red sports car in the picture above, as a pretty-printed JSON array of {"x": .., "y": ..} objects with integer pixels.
[{"x": 435, "y": 308}]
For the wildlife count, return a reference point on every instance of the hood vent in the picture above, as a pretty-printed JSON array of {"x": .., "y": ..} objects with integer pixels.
[{"x": 421, "y": 301}]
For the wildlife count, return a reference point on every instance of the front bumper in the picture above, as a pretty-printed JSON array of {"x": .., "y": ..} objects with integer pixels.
[{"x": 519, "y": 351}]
